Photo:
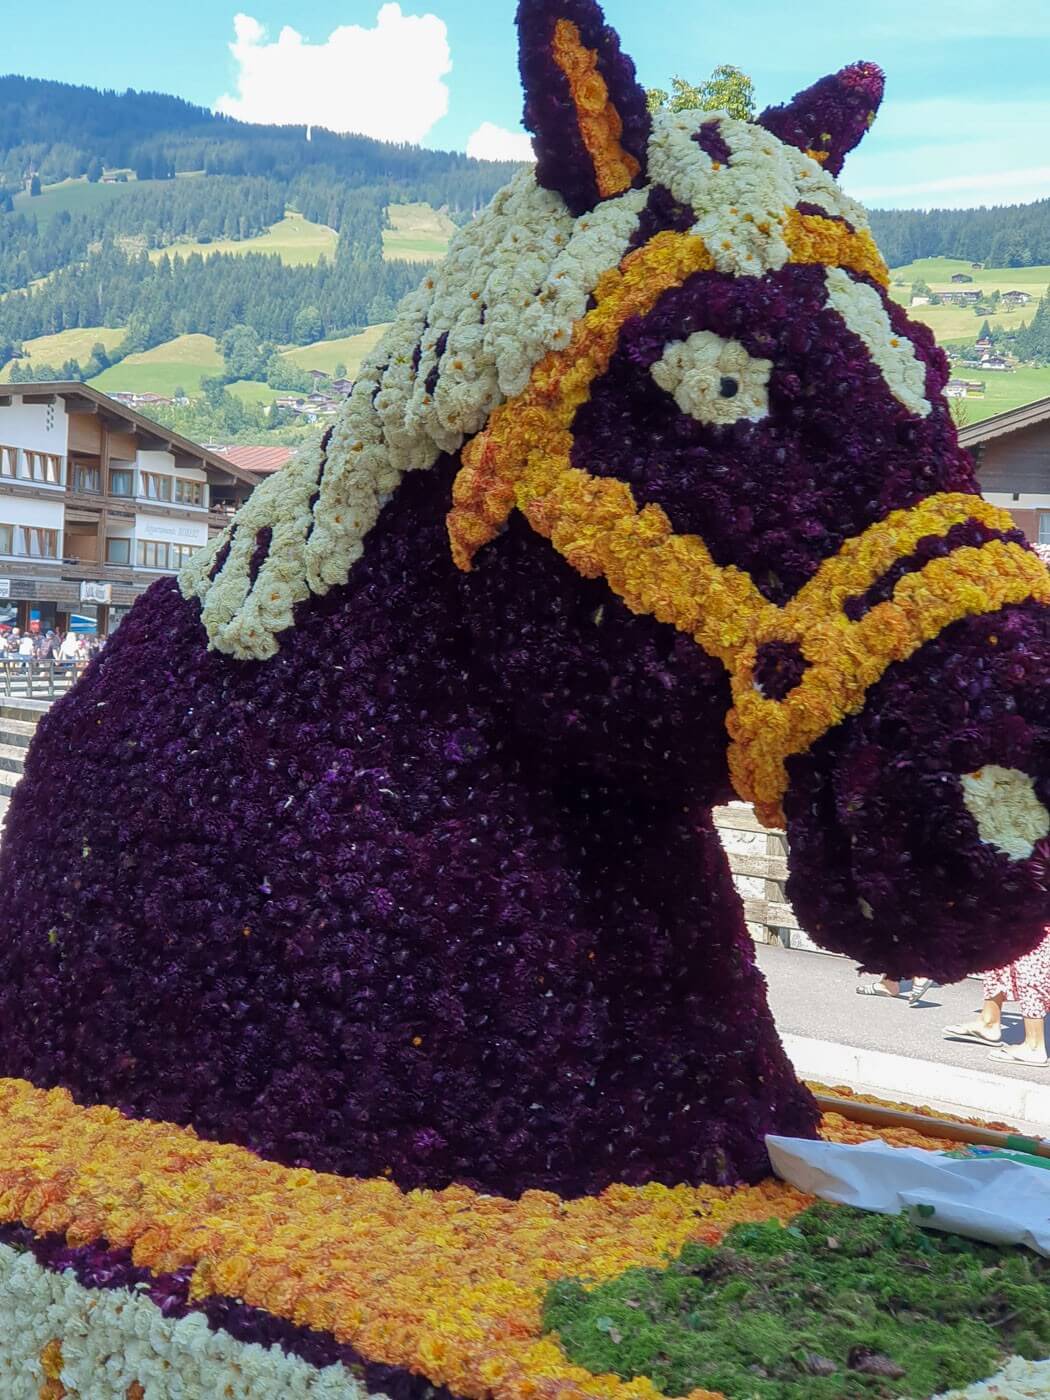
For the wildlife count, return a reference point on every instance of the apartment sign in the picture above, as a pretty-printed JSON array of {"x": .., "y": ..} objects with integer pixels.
[
  {"x": 96, "y": 592},
  {"x": 5, "y": 588},
  {"x": 152, "y": 527}
]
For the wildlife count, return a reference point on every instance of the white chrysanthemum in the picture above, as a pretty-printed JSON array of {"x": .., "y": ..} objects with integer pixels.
[
  {"x": 714, "y": 380},
  {"x": 862, "y": 309},
  {"x": 513, "y": 285},
  {"x": 1009, "y": 815}
]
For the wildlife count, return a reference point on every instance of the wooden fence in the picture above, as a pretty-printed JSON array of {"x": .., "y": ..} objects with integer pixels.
[
  {"x": 764, "y": 859},
  {"x": 29, "y": 679}
]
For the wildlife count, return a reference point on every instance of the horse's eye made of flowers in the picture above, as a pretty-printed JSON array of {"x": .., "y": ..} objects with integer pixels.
[{"x": 714, "y": 380}]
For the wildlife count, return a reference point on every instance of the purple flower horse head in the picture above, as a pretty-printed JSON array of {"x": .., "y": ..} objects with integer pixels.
[{"x": 387, "y": 847}]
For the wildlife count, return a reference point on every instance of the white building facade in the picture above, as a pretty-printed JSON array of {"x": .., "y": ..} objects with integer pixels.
[{"x": 95, "y": 503}]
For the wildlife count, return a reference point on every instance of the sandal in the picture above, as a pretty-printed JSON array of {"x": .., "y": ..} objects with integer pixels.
[
  {"x": 875, "y": 989},
  {"x": 970, "y": 1033},
  {"x": 1018, "y": 1055},
  {"x": 919, "y": 988}
]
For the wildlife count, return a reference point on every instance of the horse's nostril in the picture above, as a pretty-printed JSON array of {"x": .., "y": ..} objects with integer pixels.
[
  {"x": 1009, "y": 815},
  {"x": 729, "y": 387}
]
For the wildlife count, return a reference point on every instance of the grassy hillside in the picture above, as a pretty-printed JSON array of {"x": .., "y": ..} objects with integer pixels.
[
  {"x": 326, "y": 354},
  {"x": 186, "y": 360},
  {"x": 1002, "y": 392},
  {"x": 70, "y": 196},
  {"x": 294, "y": 239},
  {"x": 179, "y": 363},
  {"x": 941, "y": 270},
  {"x": 66, "y": 345},
  {"x": 419, "y": 233},
  {"x": 959, "y": 323}
]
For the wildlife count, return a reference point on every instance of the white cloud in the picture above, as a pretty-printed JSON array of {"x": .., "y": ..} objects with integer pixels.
[
  {"x": 384, "y": 82},
  {"x": 491, "y": 142}
]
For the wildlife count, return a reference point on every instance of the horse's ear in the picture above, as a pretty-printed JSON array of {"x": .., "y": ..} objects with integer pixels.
[
  {"x": 583, "y": 103},
  {"x": 830, "y": 118}
]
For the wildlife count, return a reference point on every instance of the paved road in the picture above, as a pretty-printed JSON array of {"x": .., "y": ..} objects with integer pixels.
[{"x": 814, "y": 995}]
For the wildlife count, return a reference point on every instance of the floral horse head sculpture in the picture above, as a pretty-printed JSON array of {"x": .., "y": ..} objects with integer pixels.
[{"x": 382, "y": 841}]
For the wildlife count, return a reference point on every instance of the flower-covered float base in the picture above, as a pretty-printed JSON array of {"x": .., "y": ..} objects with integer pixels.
[{"x": 138, "y": 1260}]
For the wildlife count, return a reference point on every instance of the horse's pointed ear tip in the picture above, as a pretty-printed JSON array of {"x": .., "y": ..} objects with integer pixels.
[{"x": 866, "y": 78}]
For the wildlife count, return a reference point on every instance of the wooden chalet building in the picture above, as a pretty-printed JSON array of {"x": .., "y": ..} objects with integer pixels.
[
  {"x": 1012, "y": 451},
  {"x": 96, "y": 502}
]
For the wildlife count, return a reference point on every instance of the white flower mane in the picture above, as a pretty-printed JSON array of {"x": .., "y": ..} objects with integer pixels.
[{"x": 515, "y": 282}]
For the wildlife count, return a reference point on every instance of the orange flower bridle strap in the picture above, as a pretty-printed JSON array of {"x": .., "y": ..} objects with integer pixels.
[{"x": 523, "y": 459}]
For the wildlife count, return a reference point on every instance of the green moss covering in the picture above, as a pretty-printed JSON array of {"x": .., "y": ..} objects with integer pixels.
[{"x": 838, "y": 1304}]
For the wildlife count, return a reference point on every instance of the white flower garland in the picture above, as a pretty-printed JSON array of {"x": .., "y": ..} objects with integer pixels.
[
  {"x": 512, "y": 287},
  {"x": 111, "y": 1338},
  {"x": 1008, "y": 814},
  {"x": 693, "y": 371},
  {"x": 741, "y": 207},
  {"x": 861, "y": 307}
]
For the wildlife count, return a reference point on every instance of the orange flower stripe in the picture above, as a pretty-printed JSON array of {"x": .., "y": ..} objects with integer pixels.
[
  {"x": 448, "y": 1284},
  {"x": 523, "y": 459},
  {"x": 51, "y": 1365},
  {"x": 847, "y": 658},
  {"x": 541, "y": 417},
  {"x": 599, "y": 121}
]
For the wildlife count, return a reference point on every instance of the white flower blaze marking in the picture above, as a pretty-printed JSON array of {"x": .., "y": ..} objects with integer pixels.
[
  {"x": 700, "y": 371},
  {"x": 111, "y": 1338},
  {"x": 861, "y": 307},
  {"x": 1008, "y": 814}
]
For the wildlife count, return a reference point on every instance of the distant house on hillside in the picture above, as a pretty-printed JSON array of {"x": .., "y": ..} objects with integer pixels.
[
  {"x": 961, "y": 388},
  {"x": 984, "y": 343},
  {"x": 996, "y": 362},
  {"x": 961, "y": 277},
  {"x": 958, "y": 296},
  {"x": 317, "y": 375},
  {"x": 343, "y": 386},
  {"x": 259, "y": 461},
  {"x": 1017, "y": 298},
  {"x": 135, "y": 399}
]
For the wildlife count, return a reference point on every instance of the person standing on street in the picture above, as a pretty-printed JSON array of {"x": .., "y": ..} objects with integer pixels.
[{"x": 1027, "y": 982}]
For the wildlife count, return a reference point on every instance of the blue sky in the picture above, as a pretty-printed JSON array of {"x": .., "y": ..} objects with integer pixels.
[{"x": 966, "y": 120}]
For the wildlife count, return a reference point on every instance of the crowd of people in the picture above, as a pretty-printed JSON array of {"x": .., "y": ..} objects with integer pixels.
[{"x": 21, "y": 647}]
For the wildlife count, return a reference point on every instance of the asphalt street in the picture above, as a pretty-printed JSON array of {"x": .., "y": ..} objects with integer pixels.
[{"x": 814, "y": 995}]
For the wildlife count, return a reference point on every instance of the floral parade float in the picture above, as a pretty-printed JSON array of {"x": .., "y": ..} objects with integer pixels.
[{"x": 373, "y": 989}]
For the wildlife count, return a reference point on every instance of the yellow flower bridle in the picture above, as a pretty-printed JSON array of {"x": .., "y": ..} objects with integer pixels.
[{"x": 523, "y": 459}]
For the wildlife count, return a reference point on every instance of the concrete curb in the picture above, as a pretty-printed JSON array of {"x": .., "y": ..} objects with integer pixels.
[{"x": 969, "y": 1092}]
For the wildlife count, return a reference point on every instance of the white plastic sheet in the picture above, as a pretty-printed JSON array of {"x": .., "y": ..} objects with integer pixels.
[{"x": 983, "y": 1198}]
